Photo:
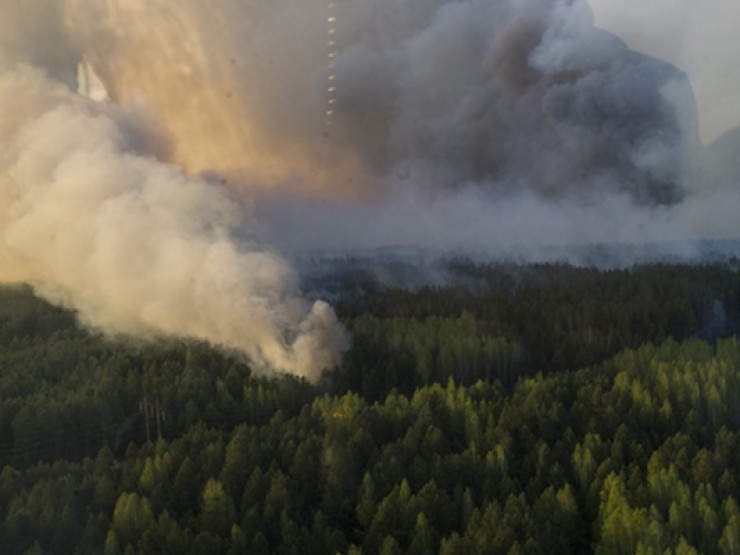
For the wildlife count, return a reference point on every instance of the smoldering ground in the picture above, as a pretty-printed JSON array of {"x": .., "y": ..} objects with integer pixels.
[{"x": 160, "y": 208}]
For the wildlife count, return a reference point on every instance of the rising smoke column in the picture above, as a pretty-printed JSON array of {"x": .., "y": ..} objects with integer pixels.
[{"x": 94, "y": 222}]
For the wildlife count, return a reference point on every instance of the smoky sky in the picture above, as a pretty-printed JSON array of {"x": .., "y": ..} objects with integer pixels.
[
  {"x": 695, "y": 37},
  {"x": 520, "y": 95},
  {"x": 159, "y": 160},
  {"x": 514, "y": 95}
]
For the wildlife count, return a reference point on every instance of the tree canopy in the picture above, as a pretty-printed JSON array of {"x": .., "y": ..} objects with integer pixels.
[{"x": 546, "y": 409}]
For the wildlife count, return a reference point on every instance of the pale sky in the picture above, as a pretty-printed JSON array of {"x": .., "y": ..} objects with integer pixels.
[{"x": 698, "y": 37}]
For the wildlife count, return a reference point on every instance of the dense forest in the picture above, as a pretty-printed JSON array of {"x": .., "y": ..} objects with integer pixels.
[{"x": 533, "y": 409}]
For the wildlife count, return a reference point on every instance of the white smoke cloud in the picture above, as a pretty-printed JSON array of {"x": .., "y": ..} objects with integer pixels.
[{"x": 134, "y": 245}]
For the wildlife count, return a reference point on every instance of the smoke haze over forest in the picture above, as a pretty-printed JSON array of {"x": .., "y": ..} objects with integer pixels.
[{"x": 157, "y": 157}]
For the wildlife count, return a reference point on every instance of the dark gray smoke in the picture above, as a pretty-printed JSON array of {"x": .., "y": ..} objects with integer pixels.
[
  {"x": 513, "y": 95},
  {"x": 516, "y": 123}
]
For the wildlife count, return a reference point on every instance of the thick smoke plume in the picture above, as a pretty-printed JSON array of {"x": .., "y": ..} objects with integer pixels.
[
  {"x": 134, "y": 245},
  {"x": 515, "y": 94},
  {"x": 151, "y": 151}
]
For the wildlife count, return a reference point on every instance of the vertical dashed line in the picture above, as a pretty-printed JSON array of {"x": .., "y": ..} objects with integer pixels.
[{"x": 331, "y": 54}]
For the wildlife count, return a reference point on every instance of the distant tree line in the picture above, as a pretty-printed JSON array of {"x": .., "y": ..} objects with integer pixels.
[{"x": 508, "y": 321}]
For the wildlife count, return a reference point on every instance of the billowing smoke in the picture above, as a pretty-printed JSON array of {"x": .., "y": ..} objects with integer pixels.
[
  {"x": 93, "y": 221},
  {"x": 511, "y": 94},
  {"x": 156, "y": 154}
]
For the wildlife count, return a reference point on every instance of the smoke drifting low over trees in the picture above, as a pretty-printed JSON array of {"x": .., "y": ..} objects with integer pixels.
[{"x": 157, "y": 156}]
